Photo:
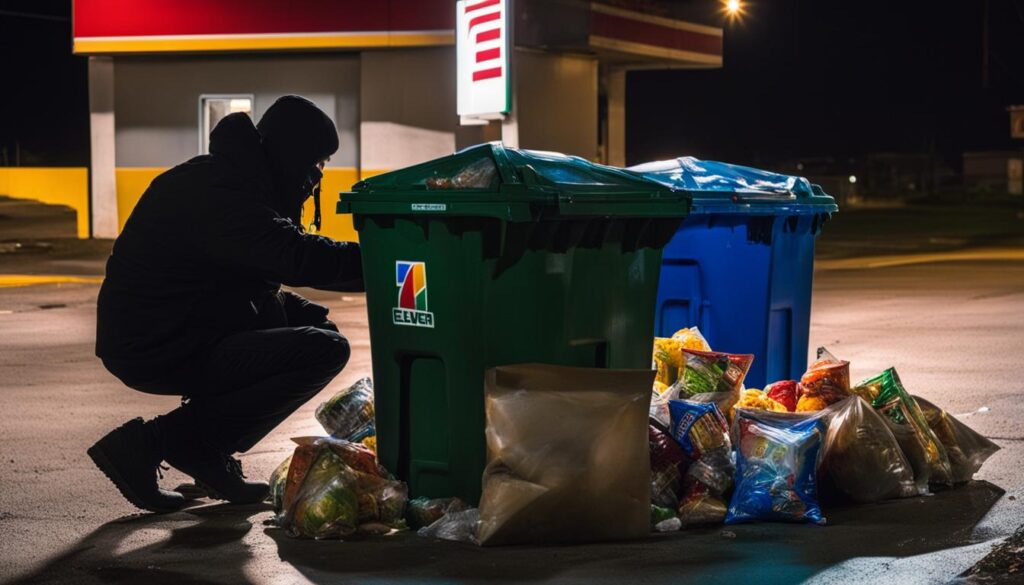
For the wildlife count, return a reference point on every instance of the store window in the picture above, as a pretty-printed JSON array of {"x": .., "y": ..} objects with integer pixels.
[{"x": 212, "y": 108}]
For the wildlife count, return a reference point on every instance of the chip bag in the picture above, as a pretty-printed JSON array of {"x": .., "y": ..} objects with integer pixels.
[
  {"x": 828, "y": 378},
  {"x": 785, "y": 392},
  {"x": 893, "y": 401},
  {"x": 776, "y": 469},
  {"x": 349, "y": 414},
  {"x": 277, "y": 482},
  {"x": 668, "y": 353},
  {"x": 697, "y": 427},
  {"x": 863, "y": 457},
  {"x": 710, "y": 371},
  {"x": 967, "y": 449},
  {"x": 756, "y": 399}
]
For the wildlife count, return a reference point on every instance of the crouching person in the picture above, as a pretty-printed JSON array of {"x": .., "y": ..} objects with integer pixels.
[{"x": 192, "y": 305}]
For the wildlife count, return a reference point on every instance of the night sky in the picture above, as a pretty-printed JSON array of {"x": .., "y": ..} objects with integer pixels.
[{"x": 802, "y": 78}]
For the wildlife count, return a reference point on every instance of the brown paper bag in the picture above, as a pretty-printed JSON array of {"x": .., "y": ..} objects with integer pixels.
[{"x": 567, "y": 456}]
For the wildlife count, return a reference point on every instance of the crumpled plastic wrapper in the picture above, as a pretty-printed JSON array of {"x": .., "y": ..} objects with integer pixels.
[{"x": 967, "y": 449}]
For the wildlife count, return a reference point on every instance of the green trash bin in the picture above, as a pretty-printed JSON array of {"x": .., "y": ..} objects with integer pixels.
[{"x": 496, "y": 256}]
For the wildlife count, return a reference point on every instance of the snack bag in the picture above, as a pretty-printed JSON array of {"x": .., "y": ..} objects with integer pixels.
[
  {"x": 811, "y": 404},
  {"x": 709, "y": 371},
  {"x": 754, "y": 398},
  {"x": 701, "y": 431},
  {"x": 862, "y": 456},
  {"x": 691, "y": 338},
  {"x": 697, "y": 427},
  {"x": 785, "y": 392},
  {"x": 349, "y": 414},
  {"x": 967, "y": 450},
  {"x": 776, "y": 469},
  {"x": 893, "y": 401},
  {"x": 668, "y": 358},
  {"x": 828, "y": 379},
  {"x": 667, "y": 464}
]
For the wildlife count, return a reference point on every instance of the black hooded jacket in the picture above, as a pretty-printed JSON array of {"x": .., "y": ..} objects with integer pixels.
[{"x": 203, "y": 255}]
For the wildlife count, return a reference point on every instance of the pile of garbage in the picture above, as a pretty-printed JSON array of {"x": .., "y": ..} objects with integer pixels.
[
  {"x": 718, "y": 452},
  {"x": 723, "y": 453}
]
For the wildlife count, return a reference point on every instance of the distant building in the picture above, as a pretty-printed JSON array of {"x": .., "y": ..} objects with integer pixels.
[
  {"x": 163, "y": 72},
  {"x": 995, "y": 171}
]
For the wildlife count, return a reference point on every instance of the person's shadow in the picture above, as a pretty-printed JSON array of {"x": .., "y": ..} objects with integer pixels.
[{"x": 198, "y": 545}]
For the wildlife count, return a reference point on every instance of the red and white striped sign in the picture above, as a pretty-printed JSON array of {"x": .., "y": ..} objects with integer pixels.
[{"x": 482, "y": 44}]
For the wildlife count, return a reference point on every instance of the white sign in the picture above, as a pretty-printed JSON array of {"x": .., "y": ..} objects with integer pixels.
[{"x": 481, "y": 46}]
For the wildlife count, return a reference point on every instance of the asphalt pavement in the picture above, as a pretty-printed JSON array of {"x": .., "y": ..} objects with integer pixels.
[{"x": 952, "y": 327}]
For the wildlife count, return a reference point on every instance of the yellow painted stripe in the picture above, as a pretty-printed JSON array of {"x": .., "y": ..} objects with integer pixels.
[
  {"x": 14, "y": 280},
  {"x": 53, "y": 185},
  {"x": 867, "y": 262},
  {"x": 269, "y": 42}
]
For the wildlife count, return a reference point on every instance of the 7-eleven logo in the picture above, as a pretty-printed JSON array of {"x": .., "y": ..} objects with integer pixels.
[{"x": 411, "y": 280}]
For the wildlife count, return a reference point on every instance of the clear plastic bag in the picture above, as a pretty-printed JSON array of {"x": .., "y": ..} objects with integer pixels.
[
  {"x": 776, "y": 467},
  {"x": 422, "y": 511},
  {"x": 349, "y": 414},
  {"x": 967, "y": 449},
  {"x": 892, "y": 400},
  {"x": 862, "y": 456},
  {"x": 459, "y": 526},
  {"x": 335, "y": 488},
  {"x": 567, "y": 455},
  {"x": 278, "y": 479}
]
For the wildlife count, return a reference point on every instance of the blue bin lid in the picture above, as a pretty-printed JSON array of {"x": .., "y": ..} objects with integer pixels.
[{"x": 719, "y": 187}]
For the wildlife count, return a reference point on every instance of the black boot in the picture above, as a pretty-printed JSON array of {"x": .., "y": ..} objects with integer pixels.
[
  {"x": 219, "y": 474},
  {"x": 130, "y": 457}
]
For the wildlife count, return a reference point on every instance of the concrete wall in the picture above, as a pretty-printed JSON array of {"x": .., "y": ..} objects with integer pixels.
[
  {"x": 407, "y": 107},
  {"x": 156, "y": 99},
  {"x": 558, "y": 116}
]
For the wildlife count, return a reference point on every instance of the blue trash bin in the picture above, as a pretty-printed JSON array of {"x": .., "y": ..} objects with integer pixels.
[{"x": 740, "y": 266}]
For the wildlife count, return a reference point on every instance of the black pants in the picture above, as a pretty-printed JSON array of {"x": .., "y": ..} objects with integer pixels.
[{"x": 248, "y": 384}]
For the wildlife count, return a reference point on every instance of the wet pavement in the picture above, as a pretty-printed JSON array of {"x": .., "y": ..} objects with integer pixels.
[{"x": 953, "y": 329}]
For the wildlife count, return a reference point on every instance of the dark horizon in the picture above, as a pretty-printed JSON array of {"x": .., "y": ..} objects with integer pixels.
[{"x": 801, "y": 79}]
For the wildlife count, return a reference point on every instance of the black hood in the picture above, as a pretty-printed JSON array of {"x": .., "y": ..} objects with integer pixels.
[{"x": 296, "y": 135}]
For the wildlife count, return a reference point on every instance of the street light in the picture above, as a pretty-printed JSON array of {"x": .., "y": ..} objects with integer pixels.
[{"x": 733, "y": 9}]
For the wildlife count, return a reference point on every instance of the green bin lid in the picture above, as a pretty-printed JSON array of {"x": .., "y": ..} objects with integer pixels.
[{"x": 491, "y": 180}]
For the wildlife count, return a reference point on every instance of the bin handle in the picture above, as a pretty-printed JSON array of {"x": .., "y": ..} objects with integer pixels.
[{"x": 762, "y": 197}]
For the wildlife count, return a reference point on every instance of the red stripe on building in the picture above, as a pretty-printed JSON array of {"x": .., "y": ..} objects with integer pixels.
[
  {"x": 488, "y": 54},
  {"x": 482, "y": 19},
  {"x": 647, "y": 33},
  {"x": 487, "y": 74},
  {"x": 141, "y": 18},
  {"x": 489, "y": 35},
  {"x": 480, "y": 5}
]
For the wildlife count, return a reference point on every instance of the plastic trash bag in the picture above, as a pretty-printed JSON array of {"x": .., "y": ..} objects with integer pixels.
[
  {"x": 335, "y": 488},
  {"x": 701, "y": 431},
  {"x": 862, "y": 456},
  {"x": 776, "y": 468},
  {"x": 967, "y": 449},
  {"x": 277, "y": 481},
  {"x": 667, "y": 465},
  {"x": 423, "y": 511},
  {"x": 710, "y": 371},
  {"x": 889, "y": 397},
  {"x": 567, "y": 455},
  {"x": 458, "y": 525},
  {"x": 825, "y": 382},
  {"x": 349, "y": 414}
]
